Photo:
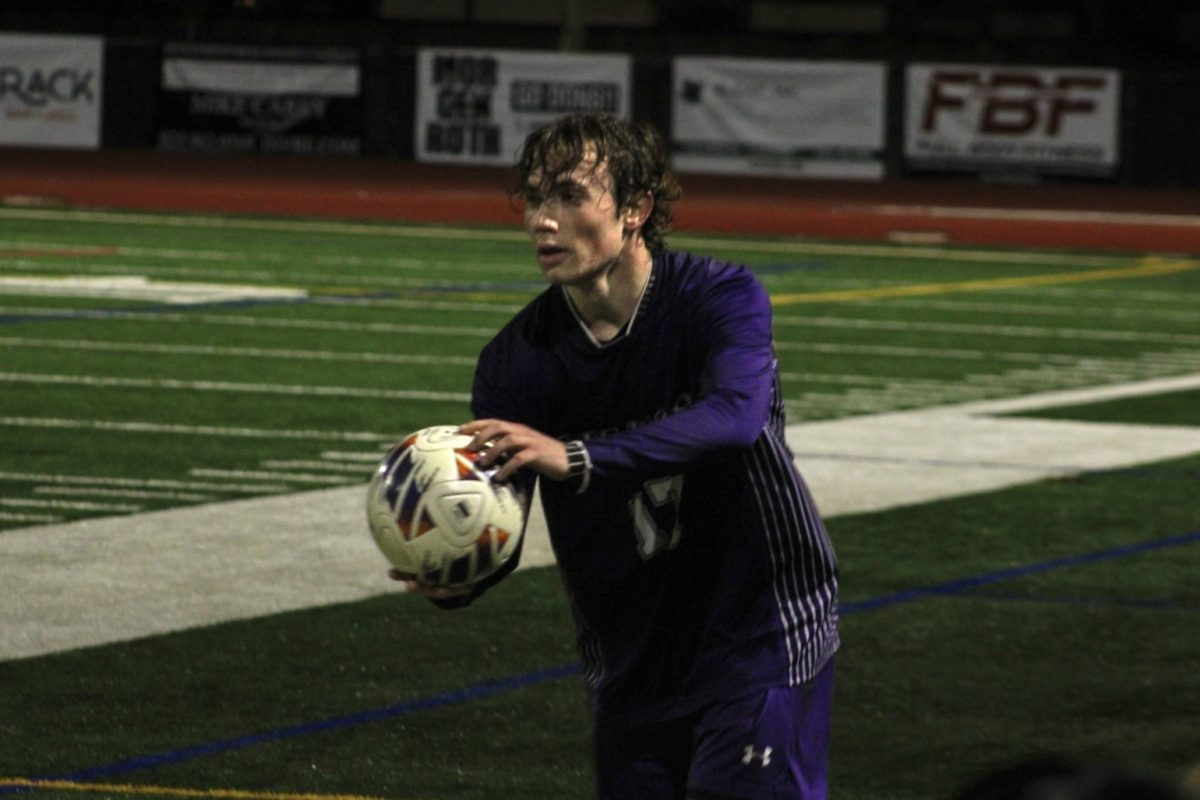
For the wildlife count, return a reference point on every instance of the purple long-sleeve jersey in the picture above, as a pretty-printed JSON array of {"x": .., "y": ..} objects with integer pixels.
[{"x": 695, "y": 560}]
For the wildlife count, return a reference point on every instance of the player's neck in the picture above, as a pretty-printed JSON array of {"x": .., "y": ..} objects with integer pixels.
[{"x": 609, "y": 301}]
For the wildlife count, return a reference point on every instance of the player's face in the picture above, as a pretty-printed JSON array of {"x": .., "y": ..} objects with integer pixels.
[{"x": 577, "y": 231}]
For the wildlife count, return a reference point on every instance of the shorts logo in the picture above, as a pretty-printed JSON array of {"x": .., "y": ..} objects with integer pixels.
[{"x": 750, "y": 754}]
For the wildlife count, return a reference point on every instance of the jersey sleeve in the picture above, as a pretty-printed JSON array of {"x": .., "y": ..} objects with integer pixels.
[{"x": 730, "y": 321}]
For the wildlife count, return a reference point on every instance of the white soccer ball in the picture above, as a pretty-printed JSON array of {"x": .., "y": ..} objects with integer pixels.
[{"x": 435, "y": 513}]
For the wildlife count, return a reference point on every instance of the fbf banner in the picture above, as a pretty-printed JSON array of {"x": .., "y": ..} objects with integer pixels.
[
  {"x": 299, "y": 101},
  {"x": 778, "y": 118},
  {"x": 50, "y": 90},
  {"x": 477, "y": 106},
  {"x": 1049, "y": 119}
]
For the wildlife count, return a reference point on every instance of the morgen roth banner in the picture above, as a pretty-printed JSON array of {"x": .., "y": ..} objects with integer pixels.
[
  {"x": 1059, "y": 119},
  {"x": 778, "y": 118},
  {"x": 50, "y": 90},
  {"x": 477, "y": 106},
  {"x": 303, "y": 101}
]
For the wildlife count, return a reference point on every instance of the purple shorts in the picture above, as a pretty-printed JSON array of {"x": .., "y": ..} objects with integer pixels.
[{"x": 773, "y": 745}]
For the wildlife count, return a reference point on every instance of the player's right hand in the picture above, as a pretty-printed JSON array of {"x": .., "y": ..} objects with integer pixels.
[{"x": 411, "y": 584}]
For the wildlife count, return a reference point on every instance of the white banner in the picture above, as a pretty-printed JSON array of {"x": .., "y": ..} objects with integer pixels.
[
  {"x": 1060, "y": 119},
  {"x": 260, "y": 77},
  {"x": 50, "y": 90},
  {"x": 237, "y": 98},
  {"x": 778, "y": 118},
  {"x": 477, "y": 106}
]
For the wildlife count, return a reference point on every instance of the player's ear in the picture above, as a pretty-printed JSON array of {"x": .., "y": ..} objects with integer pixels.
[{"x": 638, "y": 212}]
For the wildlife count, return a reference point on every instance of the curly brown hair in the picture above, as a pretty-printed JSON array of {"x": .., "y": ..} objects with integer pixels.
[{"x": 633, "y": 153}]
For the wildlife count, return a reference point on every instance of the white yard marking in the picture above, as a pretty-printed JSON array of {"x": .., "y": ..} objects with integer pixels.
[
  {"x": 282, "y": 354},
  {"x": 8, "y": 516},
  {"x": 169, "y": 384},
  {"x": 265, "y": 475},
  {"x": 139, "y": 287},
  {"x": 116, "y": 578},
  {"x": 130, "y": 494},
  {"x": 156, "y": 483},
  {"x": 69, "y": 505},
  {"x": 192, "y": 430}
]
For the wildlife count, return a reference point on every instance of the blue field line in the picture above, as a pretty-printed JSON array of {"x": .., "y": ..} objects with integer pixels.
[
  {"x": 961, "y": 585},
  {"x": 501, "y": 685},
  {"x": 202, "y": 750}
]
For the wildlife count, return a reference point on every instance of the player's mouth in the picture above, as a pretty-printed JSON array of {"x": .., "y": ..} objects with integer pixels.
[{"x": 551, "y": 255}]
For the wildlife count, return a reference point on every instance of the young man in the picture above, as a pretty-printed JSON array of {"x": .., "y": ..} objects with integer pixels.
[{"x": 642, "y": 387}]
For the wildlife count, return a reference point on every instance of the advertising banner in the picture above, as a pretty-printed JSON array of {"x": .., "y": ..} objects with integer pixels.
[
  {"x": 1057, "y": 119},
  {"x": 778, "y": 118},
  {"x": 50, "y": 90},
  {"x": 477, "y": 106},
  {"x": 302, "y": 101}
]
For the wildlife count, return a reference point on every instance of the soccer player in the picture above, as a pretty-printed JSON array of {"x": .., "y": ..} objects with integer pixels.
[{"x": 641, "y": 388}]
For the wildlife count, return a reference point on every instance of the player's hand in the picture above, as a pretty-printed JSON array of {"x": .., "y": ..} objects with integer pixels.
[
  {"x": 496, "y": 439},
  {"x": 411, "y": 584}
]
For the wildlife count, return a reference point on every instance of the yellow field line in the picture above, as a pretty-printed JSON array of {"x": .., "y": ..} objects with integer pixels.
[
  {"x": 1146, "y": 267},
  {"x": 172, "y": 791}
]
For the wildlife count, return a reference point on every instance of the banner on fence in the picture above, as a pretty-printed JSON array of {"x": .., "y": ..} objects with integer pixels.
[
  {"x": 303, "y": 101},
  {"x": 477, "y": 106},
  {"x": 778, "y": 118},
  {"x": 1051, "y": 119},
  {"x": 50, "y": 90}
]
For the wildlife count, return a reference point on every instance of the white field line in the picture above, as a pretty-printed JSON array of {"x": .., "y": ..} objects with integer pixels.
[
  {"x": 264, "y": 475},
  {"x": 236, "y": 320},
  {"x": 1115, "y": 289},
  {"x": 256, "y": 255},
  {"x": 1034, "y": 215},
  {"x": 141, "y": 288},
  {"x": 1089, "y": 394},
  {"x": 174, "y": 566},
  {"x": 38, "y": 519},
  {"x": 42, "y": 265},
  {"x": 515, "y": 235},
  {"x": 412, "y": 358},
  {"x": 159, "y": 429},
  {"x": 68, "y": 505},
  {"x": 417, "y": 305},
  {"x": 341, "y": 455},
  {"x": 168, "y": 384},
  {"x": 328, "y": 466},
  {"x": 129, "y": 494},
  {"x": 1033, "y": 309},
  {"x": 150, "y": 483},
  {"x": 216, "y": 222},
  {"x": 1026, "y": 331},
  {"x": 238, "y": 352}
]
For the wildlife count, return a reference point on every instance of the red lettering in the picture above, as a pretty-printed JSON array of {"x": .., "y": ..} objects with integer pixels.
[
  {"x": 1062, "y": 104},
  {"x": 936, "y": 99},
  {"x": 1007, "y": 113}
]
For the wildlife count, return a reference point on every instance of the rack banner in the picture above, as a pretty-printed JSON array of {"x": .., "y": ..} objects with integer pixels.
[{"x": 50, "y": 90}]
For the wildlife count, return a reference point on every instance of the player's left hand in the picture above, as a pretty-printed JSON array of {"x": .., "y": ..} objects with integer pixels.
[{"x": 522, "y": 445}]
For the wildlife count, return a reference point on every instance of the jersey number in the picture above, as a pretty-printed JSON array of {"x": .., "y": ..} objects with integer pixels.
[{"x": 656, "y": 515}]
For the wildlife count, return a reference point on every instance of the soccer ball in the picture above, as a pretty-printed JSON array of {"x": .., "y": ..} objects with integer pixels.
[{"x": 435, "y": 513}]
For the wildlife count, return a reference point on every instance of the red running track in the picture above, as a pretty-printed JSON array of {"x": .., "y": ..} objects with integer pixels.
[{"x": 953, "y": 211}]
